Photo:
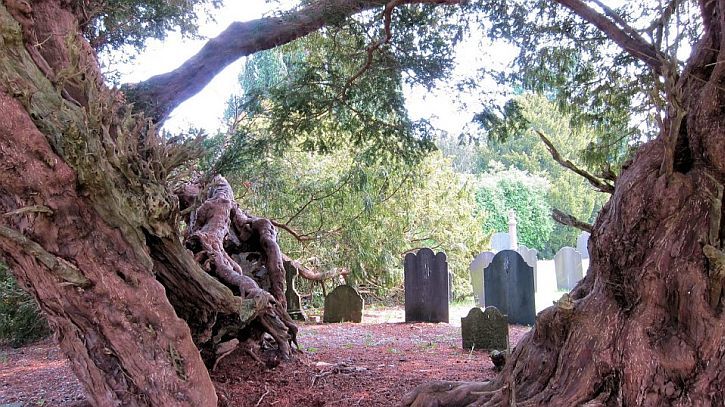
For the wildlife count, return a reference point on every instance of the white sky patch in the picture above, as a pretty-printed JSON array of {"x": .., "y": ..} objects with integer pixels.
[{"x": 205, "y": 109}]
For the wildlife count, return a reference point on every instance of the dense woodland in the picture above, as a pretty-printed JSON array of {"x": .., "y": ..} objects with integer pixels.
[{"x": 154, "y": 255}]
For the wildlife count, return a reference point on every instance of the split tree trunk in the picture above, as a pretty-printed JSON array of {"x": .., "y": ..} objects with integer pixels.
[
  {"x": 646, "y": 326},
  {"x": 88, "y": 225}
]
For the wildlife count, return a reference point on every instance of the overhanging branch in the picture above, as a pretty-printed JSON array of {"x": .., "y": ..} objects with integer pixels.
[
  {"x": 159, "y": 95},
  {"x": 634, "y": 45},
  {"x": 569, "y": 220},
  {"x": 597, "y": 183}
]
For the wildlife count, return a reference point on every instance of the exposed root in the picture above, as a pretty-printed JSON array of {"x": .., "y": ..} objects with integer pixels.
[
  {"x": 443, "y": 393},
  {"x": 217, "y": 230}
]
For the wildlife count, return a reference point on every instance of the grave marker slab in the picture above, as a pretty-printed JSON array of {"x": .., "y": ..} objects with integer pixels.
[
  {"x": 568, "y": 267},
  {"x": 531, "y": 257},
  {"x": 500, "y": 241},
  {"x": 508, "y": 283},
  {"x": 476, "y": 269},
  {"x": 485, "y": 329},
  {"x": 426, "y": 286},
  {"x": 294, "y": 302},
  {"x": 343, "y": 304},
  {"x": 582, "y": 244}
]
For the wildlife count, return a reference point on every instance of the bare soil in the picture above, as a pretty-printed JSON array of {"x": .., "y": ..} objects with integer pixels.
[{"x": 368, "y": 364}]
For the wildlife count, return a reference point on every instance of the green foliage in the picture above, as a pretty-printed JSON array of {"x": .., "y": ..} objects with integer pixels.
[
  {"x": 116, "y": 23},
  {"x": 526, "y": 194},
  {"x": 20, "y": 319},
  {"x": 364, "y": 217},
  {"x": 524, "y": 150},
  {"x": 320, "y": 93},
  {"x": 585, "y": 74}
]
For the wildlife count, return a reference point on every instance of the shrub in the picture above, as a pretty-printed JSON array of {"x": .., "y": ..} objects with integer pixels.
[{"x": 21, "y": 321}]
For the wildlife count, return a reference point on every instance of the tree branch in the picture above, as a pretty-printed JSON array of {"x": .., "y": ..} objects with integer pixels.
[
  {"x": 635, "y": 46},
  {"x": 599, "y": 184},
  {"x": 312, "y": 274},
  {"x": 569, "y": 220},
  {"x": 159, "y": 95}
]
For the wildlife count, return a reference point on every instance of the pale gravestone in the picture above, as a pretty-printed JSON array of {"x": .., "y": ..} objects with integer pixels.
[
  {"x": 500, "y": 241},
  {"x": 426, "y": 287},
  {"x": 485, "y": 330},
  {"x": 343, "y": 304},
  {"x": 294, "y": 302},
  {"x": 476, "y": 268},
  {"x": 582, "y": 244},
  {"x": 508, "y": 283},
  {"x": 568, "y": 266},
  {"x": 531, "y": 257}
]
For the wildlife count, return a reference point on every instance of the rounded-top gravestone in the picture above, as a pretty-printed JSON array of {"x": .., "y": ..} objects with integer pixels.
[
  {"x": 508, "y": 283},
  {"x": 343, "y": 304}
]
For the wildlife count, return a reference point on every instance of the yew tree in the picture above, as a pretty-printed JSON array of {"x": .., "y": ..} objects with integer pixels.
[{"x": 92, "y": 217}]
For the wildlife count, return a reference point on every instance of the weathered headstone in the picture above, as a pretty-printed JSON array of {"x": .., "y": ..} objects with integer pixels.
[
  {"x": 500, "y": 241},
  {"x": 508, "y": 283},
  {"x": 582, "y": 244},
  {"x": 485, "y": 330},
  {"x": 531, "y": 257},
  {"x": 294, "y": 302},
  {"x": 343, "y": 304},
  {"x": 426, "y": 287},
  {"x": 568, "y": 266},
  {"x": 476, "y": 268}
]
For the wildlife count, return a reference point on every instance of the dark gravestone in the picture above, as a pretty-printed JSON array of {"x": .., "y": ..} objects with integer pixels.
[
  {"x": 426, "y": 287},
  {"x": 485, "y": 330},
  {"x": 508, "y": 284},
  {"x": 344, "y": 304},
  {"x": 294, "y": 302}
]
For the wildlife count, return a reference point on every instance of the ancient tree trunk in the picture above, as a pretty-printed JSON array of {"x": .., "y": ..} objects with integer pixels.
[
  {"x": 89, "y": 225},
  {"x": 646, "y": 325}
]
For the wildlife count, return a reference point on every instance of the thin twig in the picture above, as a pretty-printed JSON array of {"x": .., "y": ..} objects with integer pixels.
[
  {"x": 262, "y": 398},
  {"x": 597, "y": 183}
]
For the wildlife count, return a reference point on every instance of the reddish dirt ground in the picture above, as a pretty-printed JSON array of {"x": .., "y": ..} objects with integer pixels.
[{"x": 369, "y": 364}]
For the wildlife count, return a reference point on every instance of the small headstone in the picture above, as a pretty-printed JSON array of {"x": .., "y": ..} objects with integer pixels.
[
  {"x": 568, "y": 267},
  {"x": 582, "y": 244},
  {"x": 476, "y": 268},
  {"x": 500, "y": 241},
  {"x": 486, "y": 330},
  {"x": 508, "y": 283},
  {"x": 294, "y": 302},
  {"x": 531, "y": 257},
  {"x": 426, "y": 287},
  {"x": 343, "y": 304}
]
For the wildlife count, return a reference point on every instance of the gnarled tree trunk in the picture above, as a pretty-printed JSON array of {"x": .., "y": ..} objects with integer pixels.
[
  {"x": 88, "y": 225},
  {"x": 646, "y": 326}
]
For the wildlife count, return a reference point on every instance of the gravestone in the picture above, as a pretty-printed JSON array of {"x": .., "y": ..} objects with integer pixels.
[
  {"x": 582, "y": 244},
  {"x": 485, "y": 330},
  {"x": 568, "y": 267},
  {"x": 426, "y": 287},
  {"x": 294, "y": 302},
  {"x": 500, "y": 241},
  {"x": 531, "y": 257},
  {"x": 508, "y": 283},
  {"x": 343, "y": 304},
  {"x": 476, "y": 268}
]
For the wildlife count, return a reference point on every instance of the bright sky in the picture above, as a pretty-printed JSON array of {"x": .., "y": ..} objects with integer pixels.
[{"x": 205, "y": 110}]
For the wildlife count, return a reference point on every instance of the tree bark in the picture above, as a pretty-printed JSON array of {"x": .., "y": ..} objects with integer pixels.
[{"x": 646, "y": 325}]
